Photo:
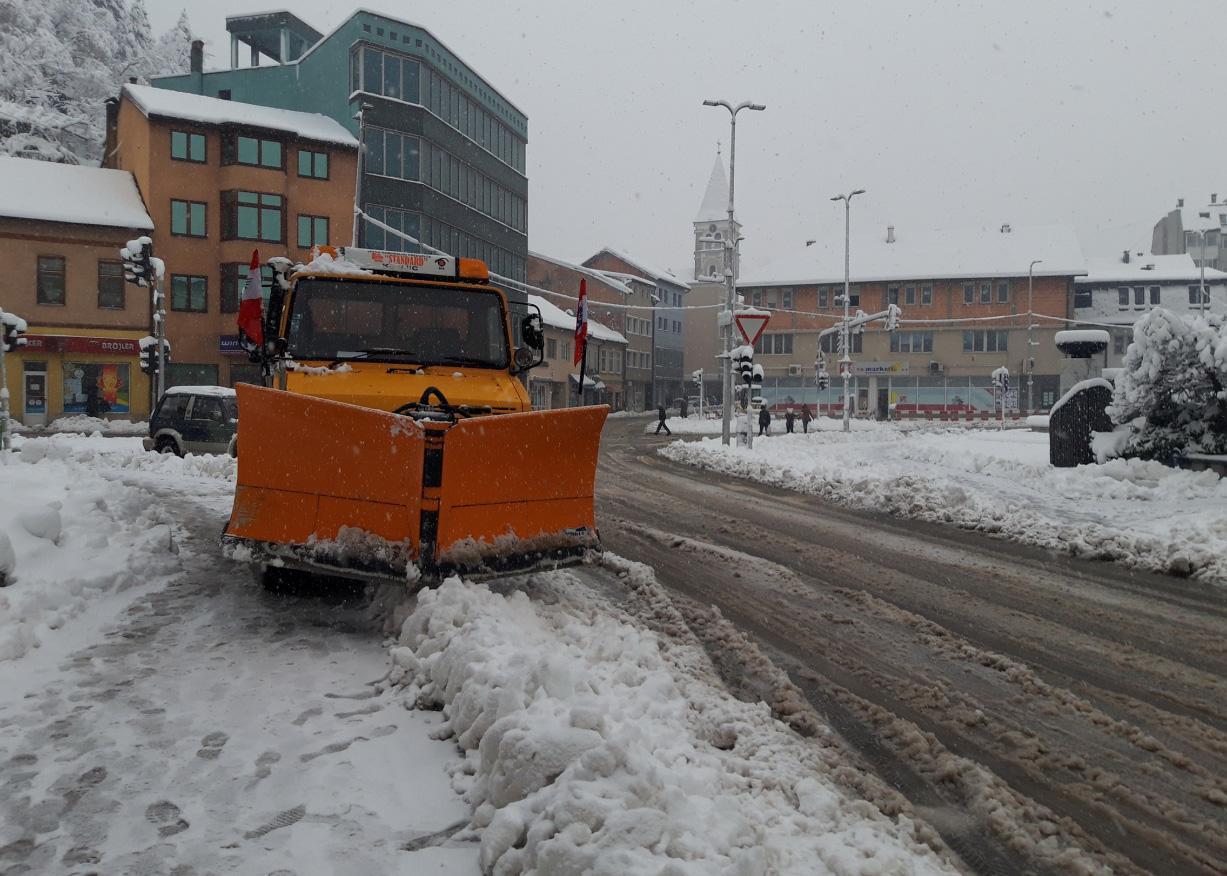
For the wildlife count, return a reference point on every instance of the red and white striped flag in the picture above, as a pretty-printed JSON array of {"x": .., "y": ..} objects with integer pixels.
[
  {"x": 251, "y": 317},
  {"x": 581, "y": 322}
]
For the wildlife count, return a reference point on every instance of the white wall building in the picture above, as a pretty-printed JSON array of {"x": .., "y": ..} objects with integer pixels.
[{"x": 1119, "y": 291}]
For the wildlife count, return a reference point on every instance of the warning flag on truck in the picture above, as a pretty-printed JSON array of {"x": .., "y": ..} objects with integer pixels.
[{"x": 250, "y": 307}]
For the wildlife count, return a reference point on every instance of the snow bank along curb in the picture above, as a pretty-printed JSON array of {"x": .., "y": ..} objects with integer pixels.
[
  {"x": 588, "y": 749},
  {"x": 74, "y": 534},
  {"x": 1137, "y": 512}
]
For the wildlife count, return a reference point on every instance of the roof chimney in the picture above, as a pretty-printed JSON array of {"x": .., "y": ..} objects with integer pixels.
[
  {"x": 1125, "y": 259},
  {"x": 890, "y": 234},
  {"x": 197, "y": 65},
  {"x": 1180, "y": 202},
  {"x": 1214, "y": 197},
  {"x": 1005, "y": 229}
]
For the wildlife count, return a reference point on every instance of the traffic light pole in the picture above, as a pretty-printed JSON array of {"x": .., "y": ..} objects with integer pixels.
[
  {"x": 159, "y": 325},
  {"x": 4, "y": 396}
]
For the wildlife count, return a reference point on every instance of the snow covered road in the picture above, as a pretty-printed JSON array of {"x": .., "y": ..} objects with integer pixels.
[{"x": 1044, "y": 713}]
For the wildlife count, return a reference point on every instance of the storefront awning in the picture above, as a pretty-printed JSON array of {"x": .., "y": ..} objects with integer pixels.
[{"x": 589, "y": 383}]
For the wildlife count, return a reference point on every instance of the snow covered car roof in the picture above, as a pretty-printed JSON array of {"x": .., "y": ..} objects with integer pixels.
[{"x": 218, "y": 391}]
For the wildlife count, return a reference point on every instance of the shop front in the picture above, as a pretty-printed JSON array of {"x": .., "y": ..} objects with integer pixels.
[{"x": 62, "y": 374}]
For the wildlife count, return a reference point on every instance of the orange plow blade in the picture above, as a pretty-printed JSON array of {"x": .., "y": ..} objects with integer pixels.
[{"x": 354, "y": 491}]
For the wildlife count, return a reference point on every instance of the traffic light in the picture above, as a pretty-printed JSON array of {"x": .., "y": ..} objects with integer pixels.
[
  {"x": 14, "y": 328},
  {"x": 149, "y": 353},
  {"x": 743, "y": 357},
  {"x": 697, "y": 377},
  {"x": 1001, "y": 379},
  {"x": 892, "y": 317},
  {"x": 823, "y": 379},
  {"x": 138, "y": 261}
]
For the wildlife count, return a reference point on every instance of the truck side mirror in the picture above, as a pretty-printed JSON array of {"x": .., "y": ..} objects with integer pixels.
[{"x": 532, "y": 332}]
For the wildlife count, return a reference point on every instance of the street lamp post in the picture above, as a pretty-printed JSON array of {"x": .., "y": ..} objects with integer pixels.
[
  {"x": 1202, "y": 293},
  {"x": 845, "y": 339},
  {"x": 1030, "y": 343},
  {"x": 730, "y": 262}
]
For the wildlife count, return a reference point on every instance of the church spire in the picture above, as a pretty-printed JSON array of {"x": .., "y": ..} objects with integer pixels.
[{"x": 716, "y": 198}]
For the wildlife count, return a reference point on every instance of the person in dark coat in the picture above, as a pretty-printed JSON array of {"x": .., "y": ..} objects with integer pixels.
[
  {"x": 806, "y": 417},
  {"x": 789, "y": 419},
  {"x": 660, "y": 424},
  {"x": 764, "y": 421}
]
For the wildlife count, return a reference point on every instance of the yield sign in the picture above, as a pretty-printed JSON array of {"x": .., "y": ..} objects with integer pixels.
[{"x": 751, "y": 324}]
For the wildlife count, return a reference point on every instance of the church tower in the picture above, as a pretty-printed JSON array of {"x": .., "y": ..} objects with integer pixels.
[{"x": 711, "y": 228}]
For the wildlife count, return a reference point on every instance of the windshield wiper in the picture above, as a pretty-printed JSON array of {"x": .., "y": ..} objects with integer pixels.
[
  {"x": 368, "y": 352},
  {"x": 464, "y": 360}
]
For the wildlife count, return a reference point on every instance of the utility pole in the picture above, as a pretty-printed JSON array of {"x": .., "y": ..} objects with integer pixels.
[
  {"x": 1030, "y": 363},
  {"x": 845, "y": 340},
  {"x": 730, "y": 263}
]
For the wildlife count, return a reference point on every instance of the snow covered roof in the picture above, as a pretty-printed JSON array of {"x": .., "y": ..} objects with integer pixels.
[
  {"x": 71, "y": 193},
  {"x": 165, "y": 103},
  {"x": 553, "y": 315},
  {"x": 659, "y": 276},
  {"x": 592, "y": 273},
  {"x": 1192, "y": 220},
  {"x": 970, "y": 253},
  {"x": 1144, "y": 268},
  {"x": 715, "y": 204}
]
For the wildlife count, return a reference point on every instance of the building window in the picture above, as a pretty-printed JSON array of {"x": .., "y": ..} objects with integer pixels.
[
  {"x": 1003, "y": 291},
  {"x": 51, "y": 280},
  {"x": 385, "y": 73},
  {"x": 110, "y": 285},
  {"x": 892, "y": 295},
  {"x": 253, "y": 151},
  {"x": 1122, "y": 294},
  {"x": 234, "y": 276},
  {"x": 1120, "y": 343},
  {"x": 909, "y": 295},
  {"x": 986, "y": 292},
  {"x": 253, "y": 216},
  {"x": 1195, "y": 296},
  {"x": 1082, "y": 297},
  {"x": 991, "y": 341},
  {"x": 389, "y": 153},
  {"x": 313, "y": 165},
  {"x": 926, "y": 294},
  {"x": 756, "y": 298},
  {"x": 1139, "y": 297},
  {"x": 551, "y": 348},
  {"x": 830, "y": 343},
  {"x": 186, "y": 146},
  {"x": 854, "y": 297},
  {"x": 1154, "y": 295},
  {"x": 312, "y": 231},
  {"x": 406, "y": 222},
  {"x": 822, "y": 299},
  {"x": 911, "y": 342},
  {"x": 189, "y": 293},
  {"x": 785, "y": 299},
  {"x": 969, "y": 293},
  {"x": 187, "y": 219}
]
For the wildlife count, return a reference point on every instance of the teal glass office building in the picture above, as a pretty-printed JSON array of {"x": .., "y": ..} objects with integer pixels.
[{"x": 444, "y": 156}]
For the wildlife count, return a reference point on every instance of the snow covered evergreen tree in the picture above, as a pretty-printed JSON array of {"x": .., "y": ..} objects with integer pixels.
[
  {"x": 60, "y": 59},
  {"x": 1173, "y": 386}
]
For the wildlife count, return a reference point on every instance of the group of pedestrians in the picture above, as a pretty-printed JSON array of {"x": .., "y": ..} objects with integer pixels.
[{"x": 790, "y": 419}]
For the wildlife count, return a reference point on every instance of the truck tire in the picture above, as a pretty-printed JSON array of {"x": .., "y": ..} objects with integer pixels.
[{"x": 166, "y": 444}]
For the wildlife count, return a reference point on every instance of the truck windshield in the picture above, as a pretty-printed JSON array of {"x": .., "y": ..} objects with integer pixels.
[{"x": 356, "y": 319}]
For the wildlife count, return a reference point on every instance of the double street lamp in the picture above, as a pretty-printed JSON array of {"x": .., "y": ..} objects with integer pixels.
[
  {"x": 845, "y": 340},
  {"x": 730, "y": 261}
]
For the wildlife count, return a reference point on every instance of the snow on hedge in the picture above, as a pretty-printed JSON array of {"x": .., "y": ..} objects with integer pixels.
[
  {"x": 68, "y": 537},
  {"x": 1173, "y": 386},
  {"x": 589, "y": 747},
  {"x": 1138, "y": 512}
]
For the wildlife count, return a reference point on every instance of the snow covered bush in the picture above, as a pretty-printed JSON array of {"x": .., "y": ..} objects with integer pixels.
[{"x": 1173, "y": 386}]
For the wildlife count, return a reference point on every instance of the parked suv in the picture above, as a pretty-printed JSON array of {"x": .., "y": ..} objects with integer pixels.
[{"x": 194, "y": 419}]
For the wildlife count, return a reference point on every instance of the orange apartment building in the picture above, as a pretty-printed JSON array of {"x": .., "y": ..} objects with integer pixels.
[
  {"x": 219, "y": 179},
  {"x": 61, "y": 229},
  {"x": 964, "y": 297}
]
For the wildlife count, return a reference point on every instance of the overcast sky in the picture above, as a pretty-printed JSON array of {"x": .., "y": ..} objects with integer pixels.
[{"x": 949, "y": 113}]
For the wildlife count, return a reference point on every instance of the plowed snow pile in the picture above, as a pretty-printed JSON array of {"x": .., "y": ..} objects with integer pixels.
[
  {"x": 69, "y": 536},
  {"x": 591, "y": 748},
  {"x": 1141, "y": 513}
]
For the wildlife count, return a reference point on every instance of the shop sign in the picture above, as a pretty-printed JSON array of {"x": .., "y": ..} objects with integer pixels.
[
  {"x": 82, "y": 344},
  {"x": 229, "y": 344},
  {"x": 870, "y": 369}
]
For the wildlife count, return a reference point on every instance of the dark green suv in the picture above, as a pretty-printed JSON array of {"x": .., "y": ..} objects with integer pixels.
[{"x": 194, "y": 419}]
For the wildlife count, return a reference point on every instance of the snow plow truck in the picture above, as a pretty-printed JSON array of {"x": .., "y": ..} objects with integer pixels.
[{"x": 396, "y": 439}]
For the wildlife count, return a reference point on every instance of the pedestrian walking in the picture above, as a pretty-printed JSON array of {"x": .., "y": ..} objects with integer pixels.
[
  {"x": 789, "y": 419},
  {"x": 806, "y": 417},
  {"x": 764, "y": 421},
  {"x": 660, "y": 413}
]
